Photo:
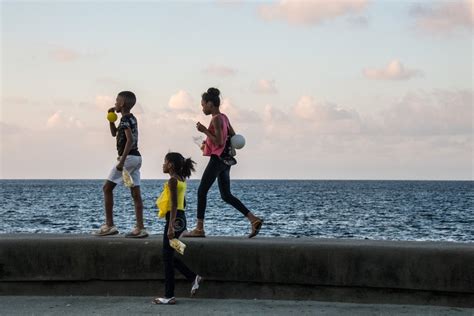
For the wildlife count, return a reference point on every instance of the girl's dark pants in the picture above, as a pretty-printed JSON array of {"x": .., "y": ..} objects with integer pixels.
[
  {"x": 217, "y": 169},
  {"x": 170, "y": 261}
]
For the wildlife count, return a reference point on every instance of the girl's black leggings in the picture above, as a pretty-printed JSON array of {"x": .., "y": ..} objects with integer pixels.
[
  {"x": 170, "y": 261},
  {"x": 217, "y": 169}
]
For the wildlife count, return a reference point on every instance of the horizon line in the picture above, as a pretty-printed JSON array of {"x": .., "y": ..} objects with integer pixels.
[{"x": 241, "y": 179}]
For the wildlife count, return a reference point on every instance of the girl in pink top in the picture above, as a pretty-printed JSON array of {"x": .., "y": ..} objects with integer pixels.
[
  {"x": 217, "y": 133},
  {"x": 209, "y": 147}
]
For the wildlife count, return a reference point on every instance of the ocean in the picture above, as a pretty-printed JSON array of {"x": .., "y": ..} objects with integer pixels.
[{"x": 377, "y": 210}]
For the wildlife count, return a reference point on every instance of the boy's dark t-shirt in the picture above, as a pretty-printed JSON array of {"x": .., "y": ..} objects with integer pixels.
[{"x": 127, "y": 121}]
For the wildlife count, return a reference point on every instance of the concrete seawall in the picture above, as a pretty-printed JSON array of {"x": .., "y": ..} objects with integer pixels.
[{"x": 435, "y": 273}]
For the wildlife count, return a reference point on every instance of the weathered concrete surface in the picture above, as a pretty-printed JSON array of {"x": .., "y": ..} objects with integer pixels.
[
  {"x": 272, "y": 268},
  {"x": 77, "y": 305}
]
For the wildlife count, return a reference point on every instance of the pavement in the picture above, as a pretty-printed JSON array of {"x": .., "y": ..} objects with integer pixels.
[{"x": 132, "y": 305}]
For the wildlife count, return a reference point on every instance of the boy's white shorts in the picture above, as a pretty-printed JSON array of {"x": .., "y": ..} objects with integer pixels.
[{"x": 133, "y": 165}]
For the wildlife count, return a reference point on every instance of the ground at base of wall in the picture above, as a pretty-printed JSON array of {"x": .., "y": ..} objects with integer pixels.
[{"x": 121, "y": 305}]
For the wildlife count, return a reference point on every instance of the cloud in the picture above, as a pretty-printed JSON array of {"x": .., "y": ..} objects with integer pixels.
[
  {"x": 104, "y": 102},
  {"x": 182, "y": 100},
  {"x": 230, "y": 3},
  {"x": 430, "y": 114},
  {"x": 307, "y": 120},
  {"x": 220, "y": 70},
  {"x": 307, "y": 108},
  {"x": 110, "y": 81},
  {"x": 393, "y": 71},
  {"x": 264, "y": 86},
  {"x": 138, "y": 108},
  {"x": 422, "y": 135},
  {"x": 59, "y": 120},
  {"x": 358, "y": 21},
  {"x": 444, "y": 16},
  {"x": 14, "y": 100},
  {"x": 239, "y": 114},
  {"x": 310, "y": 12},
  {"x": 54, "y": 119},
  {"x": 64, "y": 55},
  {"x": 326, "y": 117},
  {"x": 440, "y": 113},
  {"x": 272, "y": 114},
  {"x": 10, "y": 129}
]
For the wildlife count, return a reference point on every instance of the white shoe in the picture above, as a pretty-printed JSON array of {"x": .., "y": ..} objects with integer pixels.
[
  {"x": 195, "y": 286},
  {"x": 164, "y": 301}
]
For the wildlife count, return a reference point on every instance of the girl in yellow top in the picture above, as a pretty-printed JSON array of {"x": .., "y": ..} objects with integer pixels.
[{"x": 171, "y": 204}]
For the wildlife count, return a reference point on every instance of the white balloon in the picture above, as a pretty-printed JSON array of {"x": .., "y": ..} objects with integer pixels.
[{"x": 237, "y": 141}]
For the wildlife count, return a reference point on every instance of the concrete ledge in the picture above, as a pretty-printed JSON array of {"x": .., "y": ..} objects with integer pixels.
[{"x": 433, "y": 273}]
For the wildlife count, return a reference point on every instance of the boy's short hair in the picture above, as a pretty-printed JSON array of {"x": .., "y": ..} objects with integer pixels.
[{"x": 129, "y": 98}]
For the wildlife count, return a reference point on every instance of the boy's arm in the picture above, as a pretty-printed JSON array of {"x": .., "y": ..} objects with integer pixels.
[
  {"x": 126, "y": 150},
  {"x": 113, "y": 129},
  {"x": 173, "y": 186}
]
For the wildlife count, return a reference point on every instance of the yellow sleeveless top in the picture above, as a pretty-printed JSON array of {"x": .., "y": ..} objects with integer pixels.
[{"x": 163, "y": 203}]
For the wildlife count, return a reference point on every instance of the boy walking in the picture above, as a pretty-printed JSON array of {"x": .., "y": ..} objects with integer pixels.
[{"x": 129, "y": 158}]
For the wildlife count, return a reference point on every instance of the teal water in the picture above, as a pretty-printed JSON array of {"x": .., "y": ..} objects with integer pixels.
[{"x": 384, "y": 210}]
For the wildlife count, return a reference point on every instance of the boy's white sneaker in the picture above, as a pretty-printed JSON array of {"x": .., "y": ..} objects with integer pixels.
[{"x": 195, "y": 286}]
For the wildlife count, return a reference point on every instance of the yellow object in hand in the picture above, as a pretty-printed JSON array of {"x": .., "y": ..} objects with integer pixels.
[
  {"x": 127, "y": 179},
  {"x": 112, "y": 117},
  {"x": 178, "y": 245}
]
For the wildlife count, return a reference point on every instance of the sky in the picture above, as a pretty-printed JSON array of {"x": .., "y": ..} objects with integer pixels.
[{"x": 345, "y": 89}]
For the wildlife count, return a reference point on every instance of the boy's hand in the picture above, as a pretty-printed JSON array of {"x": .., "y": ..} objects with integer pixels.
[
  {"x": 201, "y": 127},
  {"x": 170, "y": 231},
  {"x": 120, "y": 166}
]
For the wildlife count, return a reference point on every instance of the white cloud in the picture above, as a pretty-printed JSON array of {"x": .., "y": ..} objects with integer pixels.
[
  {"x": 220, "y": 70},
  {"x": 10, "y": 129},
  {"x": 138, "y": 109},
  {"x": 65, "y": 55},
  {"x": 110, "y": 81},
  {"x": 230, "y": 3},
  {"x": 307, "y": 120},
  {"x": 59, "y": 120},
  {"x": 430, "y": 114},
  {"x": 181, "y": 100},
  {"x": 265, "y": 86},
  {"x": 14, "y": 100},
  {"x": 422, "y": 135},
  {"x": 307, "y": 108},
  {"x": 393, "y": 71},
  {"x": 445, "y": 16},
  {"x": 54, "y": 120},
  {"x": 271, "y": 114},
  {"x": 435, "y": 114},
  {"x": 326, "y": 117},
  {"x": 104, "y": 102},
  {"x": 358, "y": 21},
  {"x": 239, "y": 114},
  {"x": 310, "y": 12},
  {"x": 228, "y": 108}
]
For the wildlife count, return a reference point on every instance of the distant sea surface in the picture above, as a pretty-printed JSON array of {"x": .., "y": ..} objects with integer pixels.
[{"x": 382, "y": 210}]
